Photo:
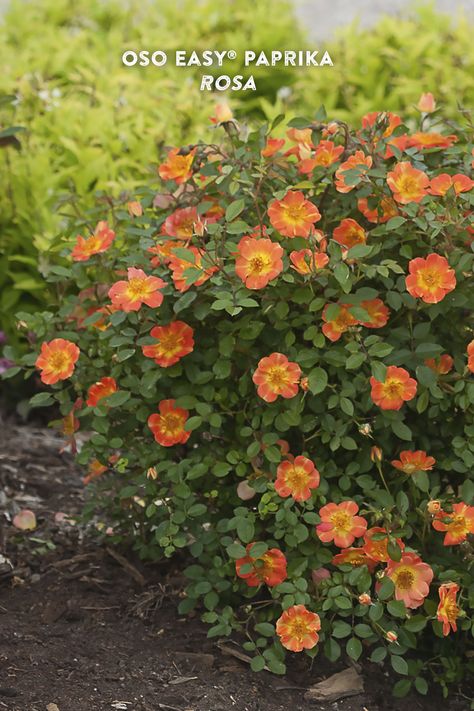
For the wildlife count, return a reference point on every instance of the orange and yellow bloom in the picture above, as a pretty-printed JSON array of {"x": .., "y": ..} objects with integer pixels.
[
  {"x": 358, "y": 162},
  {"x": 427, "y": 103},
  {"x": 180, "y": 266},
  {"x": 276, "y": 375},
  {"x": 442, "y": 183},
  {"x": 448, "y": 609},
  {"x": 349, "y": 233},
  {"x": 56, "y": 360},
  {"x": 294, "y": 216},
  {"x": 298, "y": 628},
  {"x": 411, "y": 462},
  {"x": 430, "y": 279},
  {"x": 97, "y": 243},
  {"x": 379, "y": 214},
  {"x": 139, "y": 289},
  {"x": 269, "y": 568},
  {"x": 339, "y": 324},
  {"x": 378, "y": 312},
  {"x": 470, "y": 356},
  {"x": 297, "y": 479},
  {"x": 168, "y": 425},
  {"x": 353, "y": 556},
  {"x": 258, "y": 262},
  {"x": 457, "y": 525},
  {"x": 442, "y": 365},
  {"x": 340, "y": 524},
  {"x": 411, "y": 578},
  {"x": 306, "y": 261},
  {"x": 103, "y": 388},
  {"x": 272, "y": 146},
  {"x": 397, "y": 388},
  {"x": 377, "y": 548},
  {"x": 408, "y": 184},
  {"x": 174, "y": 341},
  {"x": 177, "y": 166}
]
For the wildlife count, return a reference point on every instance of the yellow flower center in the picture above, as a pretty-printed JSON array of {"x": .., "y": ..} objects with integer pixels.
[
  {"x": 137, "y": 287},
  {"x": 408, "y": 185},
  {"x": 296, "y": 213},
  {"x": 58, "y": 360},
  {"x": 169, "y": 343},
  {"x": 430, "y": 278},
  {"x": 392, "y": 388},
  {"x": 459, "y": 525},
  {"x": 93, "y": 244},
  {"x": 277, "y": 377},
  {"x": 405, "y": 579},
  {"x": 297, "y": 478},
  {"x": 450, "y": 610},
  {"x": 171, "y": 424},
  {"x": 298, "y": 629},
  {"x": 342, "y": 521},
  {"x": 259, "y": 264}
]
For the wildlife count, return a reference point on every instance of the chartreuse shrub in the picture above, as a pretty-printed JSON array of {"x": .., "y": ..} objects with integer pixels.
[
  {"x": 387, "y": 66},
  {"x": 94, "y": 124},
  {"x": 272, "y": 355}
]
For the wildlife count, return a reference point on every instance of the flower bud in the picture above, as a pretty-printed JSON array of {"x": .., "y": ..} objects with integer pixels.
[
  {"x": 376, "y": 454},
  {"x": 152, "y": 473},
  {"x": 244, "y": 491},
  {"x": 434, "y": 506},
  {"x": 427, "y": 103},
  {"x": 134, "y": 208},
  {"x": 365, "y": 599},
  {"x": 304, "y": 384},
  {"x": 391, "y": 636},
  {"x": 365, "y": 429}
]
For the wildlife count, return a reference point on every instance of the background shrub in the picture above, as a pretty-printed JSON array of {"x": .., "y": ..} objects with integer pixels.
[{"x": 211, "y": 481}]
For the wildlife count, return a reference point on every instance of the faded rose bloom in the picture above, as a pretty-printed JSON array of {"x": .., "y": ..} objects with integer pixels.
[{"x": 320, "y": 574}]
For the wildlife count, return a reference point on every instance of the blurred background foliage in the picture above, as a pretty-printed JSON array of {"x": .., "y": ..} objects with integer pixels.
[{"x": 91, "y": 124}]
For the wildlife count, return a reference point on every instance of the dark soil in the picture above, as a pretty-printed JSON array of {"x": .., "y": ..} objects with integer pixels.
[{"x": 83, "y": 628}]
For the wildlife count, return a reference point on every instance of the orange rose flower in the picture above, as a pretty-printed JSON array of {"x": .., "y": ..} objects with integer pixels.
[
  {"x": 411, "y": 578},
  {"x": 276, "y": 375},
  {"x": 384, "y": 210},
  {"x": 349, "y": 233},
  {"x": 297, "y": 479},
  {"x": 355, "y": 557},
  {"x": 179, "y": 266},
  {"x": 101, "y": 389},
  {"x": 360, "y": 162},
  {"x": 294, "y": 216},
  {"x": 470, "y": 356},
  {"x": 444, "y": 182},
  {"x": 272, "y": 146},
  {"x": 177, "y": 166},
  {"x": 457, "y": 525},
  {"x": 448, "y": 609},
  {"x": 180, "y": 223},
  {"x": 174, "y": 341},
  {"x": 269, "y": 568},
  {"x": 337, "y": 326},
  {"x": 163, "y": 251},
  {"x": 97, "y": 243},
  {"x": 427, "y": 103},
  {"x": 408, "y": 184},
  {"x": 411, "y": 462},
  {"x": 222, "y": 113},
  {"x": 396, "y": 389},
  {"x": 298, "y": 628},
  {"x": 168, "y": 426},
  {"x": 305, "y": 261},
  {"x": 385, "y": 117},
  {"x": 258, "y": 262},
  {"x": 134, "y": 208},
  {"x": 430, "y": 279},
  {"x": 339, "y": 523},
  {"x": 442, "y": 365},
  {"x": 377, "y": 548},
  {"x": 422, "y": 140},
  {"x": 326, "y": 154},
  {"x": 56, "y": 360},
  {"x": 378, "y": 313},
  {"x": 139, "y": 289}
]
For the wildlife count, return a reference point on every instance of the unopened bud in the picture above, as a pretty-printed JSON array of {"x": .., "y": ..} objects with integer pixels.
[
  {"x": 365, "y": 599},
  {"x": 434, "y": 506},
  {"x": 134, "y": 208},
  {"x": 152, "y": 473},
  {"x": 427, "y": 103},
  {"x": 376, "y": 454},
  {"x": 304, "y": 383},
  {"x": 365, "y": 429},
  {"x": 391, "y": 636}
]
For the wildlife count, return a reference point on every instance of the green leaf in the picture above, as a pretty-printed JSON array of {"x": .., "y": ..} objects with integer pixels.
[
  {"x": 399, "y": 664},
  {"x": 401, "y": 430},
  {"x": 118, "y": 398},
  {"x": 354, "y": 648},
  {"x": 41, "y": 400},
  {"x": 386, "y": 589},
  {"x": 234, "y": 209},
  {"x": 397, "y": 608},
  {"x": 395, "y": 222},
  {"x": 265, "y": 629},
  {"x": 317, "y": 380},
  {"x": 245, "y": 530},
  {"x": 235, "y": 550},
  {"x": 257, "y": 664},
  {"x": 402, "y": 688},
  {"x": 193, "y": 423}
]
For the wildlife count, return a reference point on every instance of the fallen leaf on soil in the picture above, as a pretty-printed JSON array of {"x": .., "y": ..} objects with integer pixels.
[
  {"x": 25, "y": 520},
  {"x": 338, "y": 686},
  {"x": 52, "y": 707}
]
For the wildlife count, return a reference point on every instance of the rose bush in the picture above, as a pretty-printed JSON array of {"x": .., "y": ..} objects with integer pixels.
[{"x": 272, "y": 358}]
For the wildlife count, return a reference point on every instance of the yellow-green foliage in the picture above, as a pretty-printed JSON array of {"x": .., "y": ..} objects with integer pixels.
[
  {"x": 387, "y": 67},
  {"x": 93, "y": 123}
]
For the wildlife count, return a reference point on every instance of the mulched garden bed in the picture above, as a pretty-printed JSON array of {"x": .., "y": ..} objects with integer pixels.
[{"x": 87, "y": 628}]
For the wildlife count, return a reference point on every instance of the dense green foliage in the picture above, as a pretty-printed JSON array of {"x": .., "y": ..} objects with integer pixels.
[{"x": 347, "y": 324}]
